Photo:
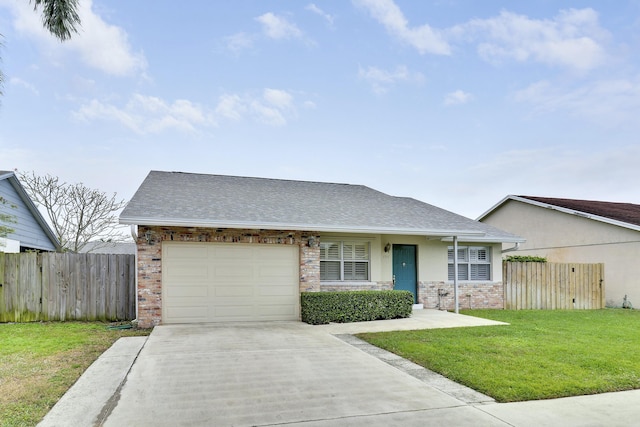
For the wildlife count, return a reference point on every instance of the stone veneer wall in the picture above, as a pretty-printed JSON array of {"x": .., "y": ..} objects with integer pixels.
[
  {"x": 355, "y": 286},
  {"x": 150, "y": 259},
  {"x": 470, "y": 295}
]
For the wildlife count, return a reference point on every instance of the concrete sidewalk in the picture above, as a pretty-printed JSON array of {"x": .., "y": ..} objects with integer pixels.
[{"x": 294, "y": 374}]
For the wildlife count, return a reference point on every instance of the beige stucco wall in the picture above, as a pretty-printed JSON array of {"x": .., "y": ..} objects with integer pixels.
[{"x": 562, "y": 237}]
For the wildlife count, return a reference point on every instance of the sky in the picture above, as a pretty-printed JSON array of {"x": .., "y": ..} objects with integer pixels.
[{"x": 457, "y": 103}]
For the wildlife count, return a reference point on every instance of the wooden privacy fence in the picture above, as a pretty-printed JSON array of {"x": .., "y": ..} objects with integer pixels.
[
  {"x": 550, "y": 286},
  {"x": 66, "y": 286}
]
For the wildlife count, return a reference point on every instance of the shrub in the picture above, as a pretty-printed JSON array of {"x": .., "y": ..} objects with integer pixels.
[
  {"x": 319, "y": 308},
  {"x": 525, "y": 258}
]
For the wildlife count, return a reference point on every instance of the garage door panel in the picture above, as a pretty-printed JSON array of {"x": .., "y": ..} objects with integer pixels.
[
  {"x": 276, "y": 291},
  {"x": 231, "y": 252},
  {"x": 188, "y": 271},
  {"x": 233, "y": 291},
  {"x": 217, "y": 282},
  {"x": 275, "y": 310},
  {"x": 233, "y": 271},
  {"x": 183, "y": 291},
  {"x": 275, "y": 271},
  {"x": 184, "y": 252},
  {"x": 234, "y": 311},
  {"x": 189, "y": 314}
]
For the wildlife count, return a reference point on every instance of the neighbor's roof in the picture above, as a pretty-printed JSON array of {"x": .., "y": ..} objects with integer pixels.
[
  {"x": 118, "y": 248},
  {"x": 199, "y": 200},
  {"x": 622, "y": 214},
  {"x": 10, "y": 176}
]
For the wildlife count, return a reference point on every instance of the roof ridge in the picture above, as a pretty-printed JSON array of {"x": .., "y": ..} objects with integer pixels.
[{"x": 265, "y": 179}]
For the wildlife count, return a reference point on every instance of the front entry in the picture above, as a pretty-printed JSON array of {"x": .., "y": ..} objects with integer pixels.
[{"x": 404, "y": 269}]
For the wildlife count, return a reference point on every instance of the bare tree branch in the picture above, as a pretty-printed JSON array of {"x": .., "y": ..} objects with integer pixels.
[{"x": 78, "y": 214}]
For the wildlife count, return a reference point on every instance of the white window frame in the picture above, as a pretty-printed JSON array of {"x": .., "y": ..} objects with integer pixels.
[
  {"x": 342, "y": 260},
  {"x": 468, "y": 258}
]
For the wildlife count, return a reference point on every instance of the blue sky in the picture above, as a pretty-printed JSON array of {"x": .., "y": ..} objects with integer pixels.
[{"x": 455, "y": 103}]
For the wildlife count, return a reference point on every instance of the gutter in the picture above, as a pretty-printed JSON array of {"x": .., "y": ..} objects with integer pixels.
[{"x": 299, "y": 227}]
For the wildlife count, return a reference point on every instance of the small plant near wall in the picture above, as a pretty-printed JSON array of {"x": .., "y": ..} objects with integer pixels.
[{"x": 525, "y": 258}]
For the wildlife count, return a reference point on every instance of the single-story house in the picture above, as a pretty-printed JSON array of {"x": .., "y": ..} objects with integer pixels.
[
  {"x": 30, "y": 230},
  {"x": 578, "y": 231},
  {"x": 215, "y": 248}
]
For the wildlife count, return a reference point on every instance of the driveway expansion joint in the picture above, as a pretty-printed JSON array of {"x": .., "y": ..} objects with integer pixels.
[
  {"x": 432, "y": 379},
  {"x": 115, "y": 397}
]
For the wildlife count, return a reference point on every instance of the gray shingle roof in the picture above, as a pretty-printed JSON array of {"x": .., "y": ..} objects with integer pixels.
[{"x": 189, "y": 199}]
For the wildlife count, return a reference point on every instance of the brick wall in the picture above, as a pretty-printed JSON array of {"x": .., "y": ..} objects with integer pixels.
[
  {"x": 470, "y": 295},
  {"x": 150, "y": 259}
]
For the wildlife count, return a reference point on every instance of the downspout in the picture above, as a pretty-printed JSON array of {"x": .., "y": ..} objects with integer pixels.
[
  {"x": 134, "y": 234},
  {"x": 514, "y": 248},
  {"x": 455, "y": 273}
]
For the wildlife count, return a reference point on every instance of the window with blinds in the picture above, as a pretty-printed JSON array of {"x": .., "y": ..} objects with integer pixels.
[
  {"x": 474, "y": 263},
  {"x": 344, "y": 261}
]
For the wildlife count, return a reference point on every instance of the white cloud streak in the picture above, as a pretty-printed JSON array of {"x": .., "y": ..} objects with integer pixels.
[
  {"x": 382, "y": 80},
  {"x": 457, "y": 97},
  {"x": 147, "y": 115},
  {"x": 274, "y": 107},
  {"x": 278, "y": 27},
  {"x": 424, "y": 38},
  {"x": 16, "y": 81},
  {"x": 572, "y": 39},
  {"x": 610, "y": 103},
  {"x": 315, "y": 9}
]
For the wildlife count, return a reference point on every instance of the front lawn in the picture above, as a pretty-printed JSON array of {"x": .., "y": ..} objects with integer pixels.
[
  {"x": 40, "y": 361},
  {"x": 540, "y": 355}
]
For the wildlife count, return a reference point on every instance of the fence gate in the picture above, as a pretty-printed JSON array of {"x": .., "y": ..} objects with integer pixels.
[
  {"x": 550, "y": 286},
  {"x": 66, "y": 286}
]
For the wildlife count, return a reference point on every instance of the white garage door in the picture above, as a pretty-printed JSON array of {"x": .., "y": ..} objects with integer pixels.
[{"x": 227, "y": 282}]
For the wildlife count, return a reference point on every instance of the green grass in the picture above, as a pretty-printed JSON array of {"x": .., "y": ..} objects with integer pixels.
[
  {"x": 40, "y": 361},
  {"x": 540, "y": 355}
]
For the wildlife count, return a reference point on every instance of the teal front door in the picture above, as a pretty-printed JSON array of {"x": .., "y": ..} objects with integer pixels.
[{"x": 404, "y": 269}]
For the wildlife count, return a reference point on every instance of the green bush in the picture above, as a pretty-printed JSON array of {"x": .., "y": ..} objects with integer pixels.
[
  {"x": 525, "y": 258},
  {"x": 318, "y": 308}
]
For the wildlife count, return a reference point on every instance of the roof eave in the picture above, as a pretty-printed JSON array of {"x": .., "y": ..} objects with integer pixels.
[
  {"x": 22, "y": 193},
  {"x": 304, "y": 227},
  {"x": 575, "y": 212}
]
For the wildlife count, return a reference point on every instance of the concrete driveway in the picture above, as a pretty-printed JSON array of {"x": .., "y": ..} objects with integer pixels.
[{"x": 290, "y": 373}]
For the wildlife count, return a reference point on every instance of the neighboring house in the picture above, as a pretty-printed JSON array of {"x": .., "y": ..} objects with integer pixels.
[
  {"x": 578, "y": 231},
  {"x": 222, "y": 248},
  {"x": 30, "y": 231},
  {"x": 118, "y": 248}
]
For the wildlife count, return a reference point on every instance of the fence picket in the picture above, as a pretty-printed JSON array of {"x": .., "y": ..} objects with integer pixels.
[
  {"x": 66, "y": 286},
  {"x": 531, "y": 285}
]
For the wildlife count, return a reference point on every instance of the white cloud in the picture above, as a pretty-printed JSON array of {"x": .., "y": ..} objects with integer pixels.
[
  {"x": 457, "y": 97},
  {"x": 149, "y": 115},
  {"x": 278, "y": 27},
  {"x": 16, "y": 81},
  {"x": 381, "y": 80},
  {"x": 315, "y": 9},
  {"x": 610, "y": 102},
  {"x": 275, "y": 107},
  {"x": 572, "y": 39},
  {"x": 99, "y": 45},
  {"x": 231, "y": 107},
  {"x": 239, "y": 41},
  {"x": 425, "y": 39}
]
